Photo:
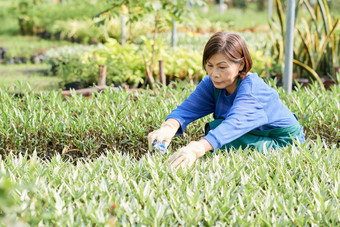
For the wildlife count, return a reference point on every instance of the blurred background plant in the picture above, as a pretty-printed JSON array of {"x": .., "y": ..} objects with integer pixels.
[
  {"x": 125, "y": 63},
  {"x": 59, "y": 23},
  {"x": 317, "y": 40},
  {"x": 28, "y": 49},
  {"x": 164, "y": 14}
]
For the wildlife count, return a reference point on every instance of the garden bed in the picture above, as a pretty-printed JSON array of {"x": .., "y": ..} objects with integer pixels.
[{"x": 91, "y": 125}]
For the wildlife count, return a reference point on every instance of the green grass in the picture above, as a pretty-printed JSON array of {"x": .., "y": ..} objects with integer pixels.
[
  {"x": 50, "y": 124},
  {"x": 237, "y": 19},
  {"x": 9, "y": 26},
  {"x": 27, "y": 77},
  {"x": 27, "y": 46},
  {"x": 292, "y": 187},
  {"x": 46, "y": 14},
  {"x": 8, "y": 18},
  {"x": 14, "y": 41}
]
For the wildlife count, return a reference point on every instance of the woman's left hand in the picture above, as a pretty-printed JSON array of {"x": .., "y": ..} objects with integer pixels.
[{"x": 186, "y": 156}]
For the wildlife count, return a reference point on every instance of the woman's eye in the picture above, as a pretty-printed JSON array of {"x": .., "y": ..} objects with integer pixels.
[
  {"x": 209, "y": 66},
  {"x": 222, "y": 67}
]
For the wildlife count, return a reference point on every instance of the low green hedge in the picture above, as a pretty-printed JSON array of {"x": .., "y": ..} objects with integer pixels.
[
  {"x": 121, "y": 120},
  {"x": 126, "y": 63}
]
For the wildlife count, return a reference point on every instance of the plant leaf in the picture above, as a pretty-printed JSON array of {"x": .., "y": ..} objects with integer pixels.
[
  {"x": 281, "y": 19},
  {"x": 311, "y": 71},
  {"x": 307, "y": 46},
  {"x": 325, "y": 43}
]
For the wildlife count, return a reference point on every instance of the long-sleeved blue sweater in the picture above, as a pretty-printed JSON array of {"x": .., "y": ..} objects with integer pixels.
[{"x": 253, "y": 106}]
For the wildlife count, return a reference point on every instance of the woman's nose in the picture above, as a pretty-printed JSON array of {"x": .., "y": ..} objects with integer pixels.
[{"x": 214, "y": 73}]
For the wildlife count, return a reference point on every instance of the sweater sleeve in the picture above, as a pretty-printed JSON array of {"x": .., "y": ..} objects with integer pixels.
[
  {"x": 246, "y": 114},
  {"x": 199, "y": 104}
]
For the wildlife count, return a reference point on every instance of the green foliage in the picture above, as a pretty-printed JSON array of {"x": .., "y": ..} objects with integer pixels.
[
  {"x": 112, "y": 28},
  {"x": 136, "y": 10},
  {"x": 209, "y": 19},
  {"x": 27, "y": 47},
  {"x": 334, "y": 7},
  {"x": 313, "y": 114},
  {"x": 297, "y": 186},
  {"x": 239, "y": 3},
  {"x": 73, "y": 63},
  {"x": 76, "y": 30},
  {"x": 37, "y": 17},
  {"x": 8, "y": 18},
  {"x": 317, "y": 49},
  {"x": 25, "y": 77},
  {"x": 261, "y": 63},
  {"x": 73, "y": 19},
  {"x": 82, "y": 127},
  {"x": 127, "y": 63},
  {"x": 6, "y": 201},
  {"x": 161, "y": 10},
  {"x": 320, "y": 45}
]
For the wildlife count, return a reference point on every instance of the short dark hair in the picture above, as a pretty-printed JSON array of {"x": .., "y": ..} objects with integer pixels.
[{"x": 230, "y": 44}]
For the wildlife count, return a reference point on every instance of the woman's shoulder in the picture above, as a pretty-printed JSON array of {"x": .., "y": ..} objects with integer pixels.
[
  {"x": 206, "y": 81},
  {"x": 255, "y": 84},
  {"x": 252, "y": 78},
  {"x": 247, "y": 83}
]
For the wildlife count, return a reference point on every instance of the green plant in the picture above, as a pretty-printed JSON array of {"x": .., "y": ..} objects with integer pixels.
[
  {"x": 82, "y": 127},
  {"x": 294, "y": 186},
  {"x": 317, "y": 48},
  {"x": 125, "y": 63},
  {"x": 134, "y": 11},
  {"x": 76, "y": 30},
  {"x": 8, "y": 18},
  {"x": 74, "y": 63},
  {"x": 6, "y": 201},
  {"x": 39, "y": 17},
  {"x": 239, "y": 3}
]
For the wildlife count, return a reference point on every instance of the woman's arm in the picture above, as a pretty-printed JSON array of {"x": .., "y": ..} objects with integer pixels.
[
  {"x": 205, "y": 143},
  {"x": 173, "y": 122},
  {"x": 246, "y": 114},
  {"x": 199, "y": 104}
]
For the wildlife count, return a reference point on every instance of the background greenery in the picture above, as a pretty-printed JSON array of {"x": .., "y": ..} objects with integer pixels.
[
  {"x": 15, "y": 77},
  {"x": 58, "y": 25},
  {"x": 73, "y": 22}
]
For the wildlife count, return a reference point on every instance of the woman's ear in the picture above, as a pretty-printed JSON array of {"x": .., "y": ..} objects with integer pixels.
[
  {"x": 242, "y": 74},
  {"x": 241, "y": 71},
  {"x": 241, "y": 65}
]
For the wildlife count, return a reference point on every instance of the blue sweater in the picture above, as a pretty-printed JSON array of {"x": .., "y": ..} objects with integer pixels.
[{"x": 253, "y": 106}]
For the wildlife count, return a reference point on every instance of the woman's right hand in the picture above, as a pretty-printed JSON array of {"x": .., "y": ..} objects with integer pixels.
[{"x": 164, "y": 134}]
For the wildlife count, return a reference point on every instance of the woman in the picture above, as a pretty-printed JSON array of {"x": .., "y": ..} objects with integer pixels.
[{"x": 247, "y": 112}]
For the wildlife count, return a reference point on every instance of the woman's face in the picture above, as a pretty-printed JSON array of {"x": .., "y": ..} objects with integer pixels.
[{"x": 223, "y": 72}]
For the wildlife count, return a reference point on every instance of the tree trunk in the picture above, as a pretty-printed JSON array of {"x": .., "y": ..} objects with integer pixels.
[
  {"x": 102, "y": 75},
  {"x": 162, "y": 73},
  {"x": 149, "y": 69}
]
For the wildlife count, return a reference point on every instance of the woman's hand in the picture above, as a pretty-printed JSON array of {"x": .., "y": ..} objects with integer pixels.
[
  {"x": 186, "y": 156},
  {"x": 164, "y": 134}
]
